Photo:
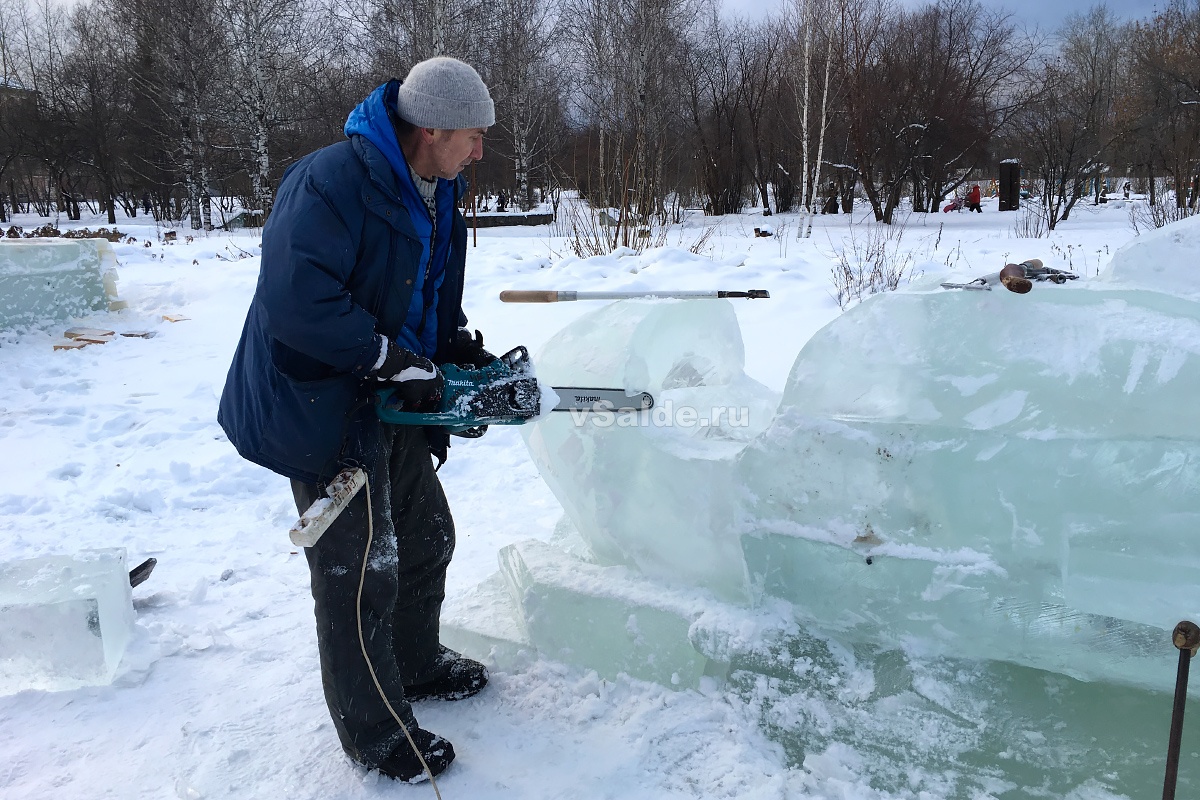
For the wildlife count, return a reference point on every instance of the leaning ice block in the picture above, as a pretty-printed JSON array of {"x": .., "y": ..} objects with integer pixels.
[{"x": 64, "y": 620}]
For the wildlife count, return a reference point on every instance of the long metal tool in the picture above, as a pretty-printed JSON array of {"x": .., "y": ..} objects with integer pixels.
[
  {"x": 1186, "y": 638},
  {"x": 551, "y": 296}
]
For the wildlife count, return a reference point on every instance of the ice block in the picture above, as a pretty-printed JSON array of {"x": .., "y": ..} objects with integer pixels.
[
  {"x": 65, "y": 621},
  {"x": 43, "y": 279}
]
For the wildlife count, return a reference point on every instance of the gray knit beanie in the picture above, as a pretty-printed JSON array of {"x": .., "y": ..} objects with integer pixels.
[{"x": 445, "y": 93}]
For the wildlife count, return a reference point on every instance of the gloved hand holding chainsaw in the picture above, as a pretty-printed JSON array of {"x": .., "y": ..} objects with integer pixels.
[
  {"x": 467, "y": 350},
  {"x": 413, "y": 378}
]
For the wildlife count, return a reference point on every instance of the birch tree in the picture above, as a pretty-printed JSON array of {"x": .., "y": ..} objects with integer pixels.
[
  {"x": 519, "y": 72},
  {"x": 179, "y": 55},
  {"x": 267, "y": 64},
  {"x": 803, "y": 19}
]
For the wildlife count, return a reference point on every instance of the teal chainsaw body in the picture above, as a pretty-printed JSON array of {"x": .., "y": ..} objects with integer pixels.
[{"x": 504, "y": 392}]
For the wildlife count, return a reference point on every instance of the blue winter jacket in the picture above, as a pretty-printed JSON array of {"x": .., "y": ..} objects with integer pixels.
[{"x": 341, "y": 256}]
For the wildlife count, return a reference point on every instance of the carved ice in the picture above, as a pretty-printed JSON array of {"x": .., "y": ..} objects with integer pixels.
[
  {"x": 1008, "y": 475},
  {"x": 960, "y": 498}
]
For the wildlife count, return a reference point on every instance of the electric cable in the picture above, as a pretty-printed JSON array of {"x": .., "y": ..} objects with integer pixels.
[{"x": 362, "y": 577}]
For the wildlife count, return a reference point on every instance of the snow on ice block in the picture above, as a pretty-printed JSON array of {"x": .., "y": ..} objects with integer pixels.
[
  {"x": 652, "y": 489},
  {"x": 604, "y": 618},
  {"x": 44, "y": 279},
  {"x": 65, "y": 621}
]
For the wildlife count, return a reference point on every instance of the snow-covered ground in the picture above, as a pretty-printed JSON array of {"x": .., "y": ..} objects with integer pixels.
[{"x": 219, "y": 695}]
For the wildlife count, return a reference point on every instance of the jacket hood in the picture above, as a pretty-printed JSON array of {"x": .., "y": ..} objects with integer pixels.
[{"x": 370, "y": 120}]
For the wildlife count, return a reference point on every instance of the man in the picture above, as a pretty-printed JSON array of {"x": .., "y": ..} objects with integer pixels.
[{"x": 361, "y": 287}]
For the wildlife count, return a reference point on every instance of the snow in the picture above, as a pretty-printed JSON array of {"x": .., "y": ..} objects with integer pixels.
[{"x": 219, "y": 695}]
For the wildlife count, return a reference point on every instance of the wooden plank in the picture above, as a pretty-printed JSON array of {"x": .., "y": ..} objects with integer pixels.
[
  {"x": 81, "y": 333},
  {"x": 174, "y": 318}
]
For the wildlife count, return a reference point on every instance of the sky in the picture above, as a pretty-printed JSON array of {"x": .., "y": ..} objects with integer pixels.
[{"x": 1046, "y": 15}]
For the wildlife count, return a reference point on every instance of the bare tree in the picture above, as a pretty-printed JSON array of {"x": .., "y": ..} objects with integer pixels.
[
  {"x": 97, "y": 102},
  {"x": 47, "y": 134},
  {"x": 1161, "y": 103},
  {"x": 711, "y": 87},
  {"x": 1067, "y": 133},
  {"x": 860, "y": 28},
  {"x": 758, "y": 50},
  {"x": 625, "y": 57}
]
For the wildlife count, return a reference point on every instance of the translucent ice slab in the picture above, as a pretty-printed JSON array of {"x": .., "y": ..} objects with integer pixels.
[
  {"x": 653, "y": 489},
  {"x": 1008, "y": 475},
  {"x": 606, "y": 619},
  {"x": 65, "y": 621},
  {"x": 983, "y": 474},
  {"x": 54, "y": 279}
]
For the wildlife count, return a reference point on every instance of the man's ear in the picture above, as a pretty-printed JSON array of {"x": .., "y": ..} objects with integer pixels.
[{"x": 427, "y": 135}]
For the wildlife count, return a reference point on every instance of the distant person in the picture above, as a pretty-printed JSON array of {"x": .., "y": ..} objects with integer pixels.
[
  {"x": 502, "y": 202},
  {"x": 831, "y": 204},
  {"x": 973, "y": 199}
]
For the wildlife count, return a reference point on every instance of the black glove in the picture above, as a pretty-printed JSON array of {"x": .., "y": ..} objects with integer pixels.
[
  {"x": 418, "y": 382},
  {"x": 467, "y": 350}
]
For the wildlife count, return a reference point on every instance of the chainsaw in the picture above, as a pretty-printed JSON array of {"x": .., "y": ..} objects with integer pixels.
[{"x": 504, "y": 392}]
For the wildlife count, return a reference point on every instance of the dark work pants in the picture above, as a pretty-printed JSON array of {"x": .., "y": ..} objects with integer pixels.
[{"x": 402, "y": 594}]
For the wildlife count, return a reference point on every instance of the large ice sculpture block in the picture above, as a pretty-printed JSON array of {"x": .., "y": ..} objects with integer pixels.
[
  {"x": 65, "y": 621},
  {"x": 654, "y": 489},
  {"x": 1010, "y": 476},
  {"x": 43, "y": 279},
  {"x": 1004, "y": 476}
]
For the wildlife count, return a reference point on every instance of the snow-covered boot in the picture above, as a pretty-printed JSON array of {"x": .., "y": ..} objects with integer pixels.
[
  {"x": 403, "y": 764},
  {"x": 457, "y": 677}
]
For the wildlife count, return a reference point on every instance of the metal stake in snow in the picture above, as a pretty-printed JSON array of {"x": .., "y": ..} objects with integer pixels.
[
  {"x": 551, "y": 296},
  {"x": 1186, "y": 638}
]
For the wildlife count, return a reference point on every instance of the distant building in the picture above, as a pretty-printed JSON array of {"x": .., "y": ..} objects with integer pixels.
[{"x": 12, "y": 89}]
